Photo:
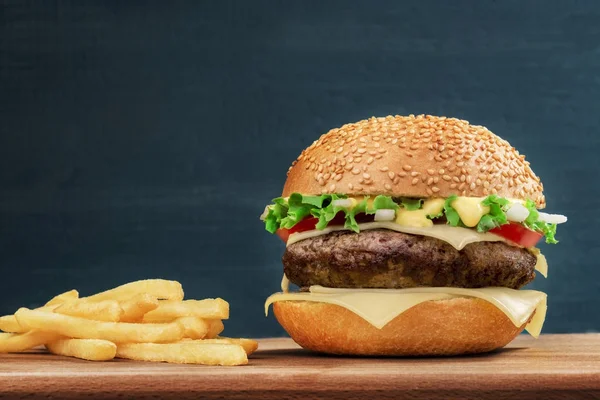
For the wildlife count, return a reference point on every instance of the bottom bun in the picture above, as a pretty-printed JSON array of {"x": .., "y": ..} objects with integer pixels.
[{"x": 433, "y": 328}]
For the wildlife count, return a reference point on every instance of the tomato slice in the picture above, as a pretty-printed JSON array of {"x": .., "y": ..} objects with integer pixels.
[
  {"x": 308, "y": 224},
  {"x": 518, "y": 234}
]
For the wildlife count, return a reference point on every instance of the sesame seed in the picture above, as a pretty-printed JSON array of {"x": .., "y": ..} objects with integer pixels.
[
  {"x": 429, "y": 192},
  {"x": 387, "y": 186},
  {"x": 350, "y": 186},
  {"x": 361, "y": 151},
  {"x": 366, "y": 176},
  {"x": 435, "y": 189},
  {"x": 384, "y": 169},
  {"x": 356, "y": 171},
  {"x": 391, "y": 175},
  {"x": 406, "y": 167},
  {"x": 415, "y": 181},
  {"x": 403, "y": 174},
  {"x": 431, "y": 171}
]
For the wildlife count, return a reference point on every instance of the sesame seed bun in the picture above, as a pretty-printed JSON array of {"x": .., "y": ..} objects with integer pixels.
[
  {"x": 433, "y": 328},
  {"x": 414, "y": 156}
]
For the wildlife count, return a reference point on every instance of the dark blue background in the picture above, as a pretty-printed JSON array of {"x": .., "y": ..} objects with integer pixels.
[{"x": 143, "y": 139}]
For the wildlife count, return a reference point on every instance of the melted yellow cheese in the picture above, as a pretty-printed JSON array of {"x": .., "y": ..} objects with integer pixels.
[
  {"x": 285, "y": 284},
  {"x": 380, "y": 306},
  {"x": 419, "y": 218},
  {"x": 541, "y": 265},
  {"x": 470, "y": 209},
  {"x": 456, "y": 236}
]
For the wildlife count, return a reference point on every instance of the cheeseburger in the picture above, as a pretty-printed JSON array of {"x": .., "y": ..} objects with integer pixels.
[{"x": 410, "y": 236}]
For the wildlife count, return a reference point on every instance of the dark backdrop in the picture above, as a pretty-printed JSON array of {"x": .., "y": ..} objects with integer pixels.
[{"x": 143, "y": 139}]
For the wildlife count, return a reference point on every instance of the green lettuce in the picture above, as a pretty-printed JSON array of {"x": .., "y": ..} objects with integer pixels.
[
  {"x": 452, "y": 216},
  {"x": 533, "y": 223},
  {"x": 286, "y": 213},
  {"x": 497, "y": 214},
  {"x": 411, "y": 204}
]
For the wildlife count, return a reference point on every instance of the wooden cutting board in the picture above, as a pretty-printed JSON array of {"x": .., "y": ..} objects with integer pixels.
[{"x": 553, "y": 367}]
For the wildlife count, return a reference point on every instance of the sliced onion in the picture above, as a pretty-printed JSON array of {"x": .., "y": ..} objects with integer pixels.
[
  {"x": 385, "y": 215},
  {"x": 517, "y": 213},
  {"x": 346, "y": 203},
  {"x": 553, "y": 218}
]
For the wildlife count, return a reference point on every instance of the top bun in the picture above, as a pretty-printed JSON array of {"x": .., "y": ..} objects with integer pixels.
[{"x": 414, "y": 156}]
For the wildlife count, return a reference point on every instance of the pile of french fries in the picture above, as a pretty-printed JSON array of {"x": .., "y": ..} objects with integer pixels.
[{"x": 145, "y": 320}]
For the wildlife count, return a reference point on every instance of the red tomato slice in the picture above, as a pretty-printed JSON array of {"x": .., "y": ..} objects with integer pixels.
[
  {"x": 308, "y": 224},
  {"x": 518, "y": 234}
]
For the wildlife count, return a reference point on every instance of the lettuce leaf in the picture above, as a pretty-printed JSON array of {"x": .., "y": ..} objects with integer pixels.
[
  {"x": 411, "y": 204},
  {"x": 277, "y": 212},
  {"x": 452, "y": 216},
  {"x": 286, "y": 213},
  {"x": 497, "y": 214},
  {"x": 382, "y": 202},
  {"x": 350, "y": 222},
  {"x": 532, "y": 222}
]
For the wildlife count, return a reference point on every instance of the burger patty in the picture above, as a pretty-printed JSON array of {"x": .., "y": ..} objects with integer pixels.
[{"x": 388, "y": 259}]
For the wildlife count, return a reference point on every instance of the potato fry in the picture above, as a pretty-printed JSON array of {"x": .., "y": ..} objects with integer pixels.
[
  {"x": 116, "y": 332},
  {"x": 248, "y": 345},
  {"x": 9, "y": 323},
  {"x": 63, "y": 297},
  {"x": 194, "y": 328},
  {"x": 86, "y": 349},
  {"x": 105, "y": 310},
  {"x": 208, "y": 308},
  {"x": 135, "y": 307},
  {"x": 160, "y": 288},
  {"x": 215, "y": 328},
  {"x": 188, "y": 352},
  {"x": 16, "y": 342}
]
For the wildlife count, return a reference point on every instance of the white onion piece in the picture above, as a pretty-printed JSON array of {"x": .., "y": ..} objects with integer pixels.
[
  {"x": 553, "y": 218},
  {"x": 346, "y": 203},
  {"x": 385, "y": 215},
  {"x": 517, "y": 213}
]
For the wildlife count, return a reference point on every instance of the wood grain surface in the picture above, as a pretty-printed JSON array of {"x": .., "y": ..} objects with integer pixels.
[{"x": 553, "y": 367}]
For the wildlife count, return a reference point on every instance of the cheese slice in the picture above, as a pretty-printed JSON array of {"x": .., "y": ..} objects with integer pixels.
[
  {"x": 380, "y": 306},
  {"x": 456, "y": 236},
  {"x": 541, "y": 265}
]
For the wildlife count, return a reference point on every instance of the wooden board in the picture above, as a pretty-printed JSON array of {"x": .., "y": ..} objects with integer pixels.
[{"x": 553, "y": 367}]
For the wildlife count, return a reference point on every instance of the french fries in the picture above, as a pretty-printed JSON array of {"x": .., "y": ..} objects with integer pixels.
[
  {"x": 136, "y": 307},
  {"x": 215, "y": 328},
  {"x": 170, "y": 310},
  {"x": 86, "y": 349},
  {"x": 81, "y": 328},
  {"x": 9, "y": 323},
  {"x": 145, "y": 320},
  {"x": 189, "y": 352},
  {"x": 105, "y": 310},
  {"x": 17, "y": 342},
  {"x": 248, "y": 345},
  {"x": 194, "y": 328},
  {"x": 162, "y": 289},
  {"x": 63, "y": 298}
]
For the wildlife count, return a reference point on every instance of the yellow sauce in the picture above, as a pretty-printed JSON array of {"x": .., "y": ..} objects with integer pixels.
[{"x": 419, "y": 218}]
